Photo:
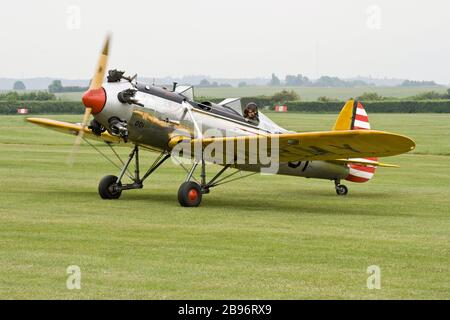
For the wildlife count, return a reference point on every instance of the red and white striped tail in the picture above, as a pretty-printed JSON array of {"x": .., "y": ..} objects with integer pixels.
[{"x": 360, "y": 121}]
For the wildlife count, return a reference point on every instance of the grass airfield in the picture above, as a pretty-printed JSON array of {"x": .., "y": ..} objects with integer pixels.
[{"x": 266, "y": 237}]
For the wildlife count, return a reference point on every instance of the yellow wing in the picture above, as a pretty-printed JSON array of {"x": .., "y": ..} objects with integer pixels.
[
  {"x": 72, "y": 129},
  {"x": 325, "y": 145}
]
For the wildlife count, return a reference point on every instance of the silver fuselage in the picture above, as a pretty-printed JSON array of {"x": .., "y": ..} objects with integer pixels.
[{"x": 162, "y": 117}]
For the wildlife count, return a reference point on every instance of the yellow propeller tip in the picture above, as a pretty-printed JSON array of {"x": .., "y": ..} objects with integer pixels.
[{"x": 105, "y": 50}]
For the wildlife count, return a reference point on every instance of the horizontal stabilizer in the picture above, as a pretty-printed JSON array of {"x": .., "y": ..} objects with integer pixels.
[{"x": 364, "y": 162}]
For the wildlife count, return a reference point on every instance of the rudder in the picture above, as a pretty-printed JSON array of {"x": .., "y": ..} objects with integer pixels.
[{"x": 353, "y": 116}]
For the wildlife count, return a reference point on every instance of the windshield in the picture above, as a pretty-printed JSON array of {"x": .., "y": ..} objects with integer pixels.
[{"x": 266, "y": 124}]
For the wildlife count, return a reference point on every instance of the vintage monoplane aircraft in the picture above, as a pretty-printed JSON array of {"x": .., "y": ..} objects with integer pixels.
[{"x": 173, "y": 124}]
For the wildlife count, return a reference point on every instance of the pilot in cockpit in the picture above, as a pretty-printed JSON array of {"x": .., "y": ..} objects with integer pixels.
[{"x": 251, "y": 113}]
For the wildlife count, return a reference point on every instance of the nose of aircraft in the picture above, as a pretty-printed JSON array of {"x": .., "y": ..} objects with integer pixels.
[{"x": 95, "y": 99}]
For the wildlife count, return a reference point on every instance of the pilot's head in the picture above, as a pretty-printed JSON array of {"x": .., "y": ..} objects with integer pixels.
[{"x": 251, "y": 110}]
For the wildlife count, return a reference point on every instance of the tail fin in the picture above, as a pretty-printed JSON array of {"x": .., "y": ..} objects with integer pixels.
[{"x": 353, "y": 116}]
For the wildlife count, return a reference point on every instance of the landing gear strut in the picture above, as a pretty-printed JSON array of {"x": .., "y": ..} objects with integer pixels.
[
  {"x": 190, "y": 192},
  {"x": 111, "y": 187},
  {"x": 341, "y": 190}
]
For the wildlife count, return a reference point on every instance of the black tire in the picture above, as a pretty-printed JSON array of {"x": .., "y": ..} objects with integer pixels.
[
  {"x": 190, "y": 194},
  {"x": 341, "y": 190},
  {"x": 106, "y": 188}
]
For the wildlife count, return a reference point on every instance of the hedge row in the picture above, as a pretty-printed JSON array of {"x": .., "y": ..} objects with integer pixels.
[
  {"x": 398, "y": 106},
  {"x": 47, "y": 107}
]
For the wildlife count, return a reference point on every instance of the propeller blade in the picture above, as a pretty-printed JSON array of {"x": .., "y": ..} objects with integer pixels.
[
  {"x": 86, "y": 115},
  {"x": 79, "y": 137},
  {"x": 96, "y": 83},
  {"x": 99, "y": 74}
]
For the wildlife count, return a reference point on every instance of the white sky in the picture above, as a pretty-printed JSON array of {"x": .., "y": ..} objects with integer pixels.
[{"x": 232, "y": 38}]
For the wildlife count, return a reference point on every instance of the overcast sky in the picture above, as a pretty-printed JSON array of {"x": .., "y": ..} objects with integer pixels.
[{"x": 232, "y": 38}]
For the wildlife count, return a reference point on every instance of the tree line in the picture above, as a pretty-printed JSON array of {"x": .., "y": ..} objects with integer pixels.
[
  {"x": 427, "y": 95},
  {"x": 27, "y": 96},
  {"x": 57, "y": 87},
  {"x": 300, "y": 80}
]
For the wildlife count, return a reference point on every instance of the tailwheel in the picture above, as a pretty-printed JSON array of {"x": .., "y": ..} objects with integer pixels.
[
  {"x": 108, "y": 188},
  {"x": 341, "y": 190},
  {"x": 190, "y": 194}
]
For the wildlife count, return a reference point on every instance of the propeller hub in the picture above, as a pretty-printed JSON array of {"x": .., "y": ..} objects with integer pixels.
[{"x": 95, "y": 99}]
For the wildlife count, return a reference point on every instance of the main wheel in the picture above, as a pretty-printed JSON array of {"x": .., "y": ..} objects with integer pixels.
[
  {"x": 107, "y": 188},
  {"x": 341, "y": 190},
  {"x": 190, "y": 194}
]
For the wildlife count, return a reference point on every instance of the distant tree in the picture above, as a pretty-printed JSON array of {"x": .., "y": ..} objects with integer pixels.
[
  {"x": 360, "y": 83},
  {"x": 298, "y": 80},
  {"x": 19, "y": 85},
  {"x": 27, "y": 96},
  {"x": 73, "y": 89},
  {"x": 447, "y": 95},
  {"x": 43, "y": 96},
  {"x": 242, "y": 84},
  {"x": 335, "y": 82},
  {"x": 370, "y": 96},
  {"x": 284, "y": 96},
  {"x": 412, "y": 83},
  {"x": 326, "y": 99},
  {"x": 326, "y": 81},
  {"x": 204, "y": 83},
  {"x": 55, "y": 86},
  {"x": 9, "y": 96},
  {"x": 275, "y": 81},
  {"x": 430, "y": 95}
]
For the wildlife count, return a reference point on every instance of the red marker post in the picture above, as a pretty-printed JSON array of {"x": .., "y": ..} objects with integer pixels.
[{"x": 22, "y": 111}]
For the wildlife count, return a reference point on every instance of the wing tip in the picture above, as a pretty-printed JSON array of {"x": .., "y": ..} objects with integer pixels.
[{"x": 35, "y": 120}]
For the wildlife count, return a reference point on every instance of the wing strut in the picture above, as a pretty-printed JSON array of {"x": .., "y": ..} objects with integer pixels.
[
  {"x": 215, "y": 181},
  {"x": 188, "y": 109}
]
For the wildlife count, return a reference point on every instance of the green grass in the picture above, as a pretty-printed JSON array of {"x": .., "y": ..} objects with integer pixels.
[
  {"x": 306, "y": 94},
  {"x": 267, "y": 237}
]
